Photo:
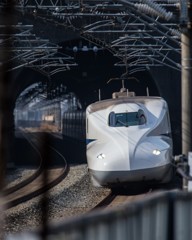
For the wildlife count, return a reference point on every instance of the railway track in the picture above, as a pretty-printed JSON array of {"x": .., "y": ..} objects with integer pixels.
[
  {"x": 43, "y": 179},
  {"x": 134, "y": 192},
  {"x": 115, "y": 198},
  {"x": 105, "y": 202}
]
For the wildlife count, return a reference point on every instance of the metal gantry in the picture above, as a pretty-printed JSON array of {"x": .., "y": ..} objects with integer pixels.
[
  {"x": 27, "y": 50},
  {"x": 142, "y": 33}
]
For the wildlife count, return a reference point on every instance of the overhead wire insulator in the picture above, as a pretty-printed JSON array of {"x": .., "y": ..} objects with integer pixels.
[
  {"x": 146, "y": 9},
  {"x": 159, "y": 9},
  {"x": 175, "y": 32}
]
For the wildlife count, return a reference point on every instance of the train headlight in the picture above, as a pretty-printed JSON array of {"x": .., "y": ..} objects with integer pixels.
[
  {"x": 101, "y": 156},
  {"x": 156, "y": 152}
]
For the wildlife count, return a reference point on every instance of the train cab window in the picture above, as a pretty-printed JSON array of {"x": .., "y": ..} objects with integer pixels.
[{"x": 127, "y": 119}]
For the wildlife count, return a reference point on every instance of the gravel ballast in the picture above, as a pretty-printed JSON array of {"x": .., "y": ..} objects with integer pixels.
[{"x": 74, "y": 196}]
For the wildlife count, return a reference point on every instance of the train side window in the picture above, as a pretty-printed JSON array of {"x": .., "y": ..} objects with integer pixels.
[
  {"x": 112, "y": 119},
  {"x": 141, "y": 117}
]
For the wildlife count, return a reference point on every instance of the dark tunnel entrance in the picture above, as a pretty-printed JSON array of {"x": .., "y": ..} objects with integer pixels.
[{"x": 99, "y": 71}]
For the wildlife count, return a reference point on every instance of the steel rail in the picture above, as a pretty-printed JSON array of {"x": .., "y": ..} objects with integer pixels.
[
  {"x": 29, "y": 179},
  {"x": 14, "y": 198}
]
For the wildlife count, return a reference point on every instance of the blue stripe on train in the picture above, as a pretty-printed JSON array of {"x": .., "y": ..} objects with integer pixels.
[{"x": 90, "y": 140}]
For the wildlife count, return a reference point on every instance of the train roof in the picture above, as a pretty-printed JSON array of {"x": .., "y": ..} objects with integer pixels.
[{"x": 103, "y": 104}]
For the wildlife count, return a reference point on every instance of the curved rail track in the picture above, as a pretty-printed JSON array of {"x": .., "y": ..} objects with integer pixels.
[{"x": 43, "y": 179}]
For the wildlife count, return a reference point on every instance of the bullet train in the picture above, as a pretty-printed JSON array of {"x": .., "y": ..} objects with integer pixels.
[{"x": 128, "y": 140}]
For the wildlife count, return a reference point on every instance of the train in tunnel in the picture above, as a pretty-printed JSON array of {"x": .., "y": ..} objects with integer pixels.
[{"x": 60, "y": 116}]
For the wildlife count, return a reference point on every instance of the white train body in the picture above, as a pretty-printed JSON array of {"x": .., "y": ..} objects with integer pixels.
[{"x": 128, "y": 140}]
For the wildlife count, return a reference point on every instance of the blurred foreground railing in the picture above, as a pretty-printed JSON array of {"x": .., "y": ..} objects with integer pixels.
[{"x": 162, "y": 216}]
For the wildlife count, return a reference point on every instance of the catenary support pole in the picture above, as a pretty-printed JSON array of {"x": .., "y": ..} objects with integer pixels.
[{"x": 186, "y": 78}]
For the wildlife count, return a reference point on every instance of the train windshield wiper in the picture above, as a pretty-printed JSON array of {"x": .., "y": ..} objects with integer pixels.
[{"x": 124, "y": 124}]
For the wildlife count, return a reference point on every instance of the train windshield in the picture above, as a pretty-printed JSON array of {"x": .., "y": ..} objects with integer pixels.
[{"x": 127, "y": 119}]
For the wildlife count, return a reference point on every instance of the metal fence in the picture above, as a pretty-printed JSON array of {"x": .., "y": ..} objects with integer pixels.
[{"x": 162, "y": 216}]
